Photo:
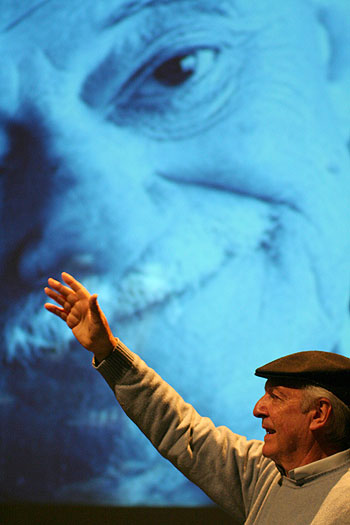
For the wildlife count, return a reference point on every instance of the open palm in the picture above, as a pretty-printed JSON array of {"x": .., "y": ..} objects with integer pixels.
[{"x": 80, "y": 310}]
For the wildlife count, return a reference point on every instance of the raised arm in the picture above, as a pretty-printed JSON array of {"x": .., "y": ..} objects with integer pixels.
[
  {"x": 83, "y": 315},
  {"x": 213, "y": 458}
]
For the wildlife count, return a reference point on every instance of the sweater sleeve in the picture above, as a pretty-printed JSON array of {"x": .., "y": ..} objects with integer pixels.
[{"x": 224, "y": 465}]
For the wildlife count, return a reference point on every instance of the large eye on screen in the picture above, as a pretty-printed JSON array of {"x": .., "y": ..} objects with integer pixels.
[
  {"x": 175, "y": 94},
  {"x": 177, "y": 70}
]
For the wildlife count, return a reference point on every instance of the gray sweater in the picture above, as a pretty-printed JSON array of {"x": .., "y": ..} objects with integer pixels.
[{"x": 230, "y": 469}]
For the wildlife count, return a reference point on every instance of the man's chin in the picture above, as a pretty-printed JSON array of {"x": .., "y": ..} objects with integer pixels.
[{"x": 268, "y": 450}]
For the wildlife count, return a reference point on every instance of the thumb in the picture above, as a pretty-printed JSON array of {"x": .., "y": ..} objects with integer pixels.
[
  {"x": 95, "y": 309},
  {"x": 99, "y": 319}
]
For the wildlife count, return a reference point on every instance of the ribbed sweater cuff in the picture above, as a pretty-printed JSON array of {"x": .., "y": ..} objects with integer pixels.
[{"x": 116, "y": 364}]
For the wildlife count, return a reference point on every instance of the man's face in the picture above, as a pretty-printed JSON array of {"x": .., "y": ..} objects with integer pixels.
[
  {"x": 288, "y": 437},
  {"x": 181, "y": 159}
]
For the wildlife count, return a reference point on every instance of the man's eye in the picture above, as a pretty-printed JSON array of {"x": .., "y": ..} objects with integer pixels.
[
  {"x": 174, "y": 85},
  {"x": 175, "y": 71},
  {"x": 179, "y": 72},
  {"x": 176, "y": 96},
  {"x": 273, "y": 395},
  {"x": 179, "y": 69}
]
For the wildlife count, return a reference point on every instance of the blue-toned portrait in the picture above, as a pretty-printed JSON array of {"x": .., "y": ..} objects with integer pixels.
[{"x": 188, "y": 161}]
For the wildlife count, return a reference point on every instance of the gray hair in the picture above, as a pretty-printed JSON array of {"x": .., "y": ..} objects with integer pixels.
[{"x": 337, "y": 431}]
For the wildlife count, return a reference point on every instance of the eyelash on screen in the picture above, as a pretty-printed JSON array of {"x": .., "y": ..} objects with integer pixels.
[{"x": 148, "y": 72}]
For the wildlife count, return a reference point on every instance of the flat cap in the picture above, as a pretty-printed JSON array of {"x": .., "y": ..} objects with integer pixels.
[{"x": 325, "y": 369}]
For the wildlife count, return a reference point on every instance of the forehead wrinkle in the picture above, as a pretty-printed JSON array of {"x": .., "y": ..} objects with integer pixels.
[
  {"x": 25, "y": 15},
  {"x": 130, "y": 8}
]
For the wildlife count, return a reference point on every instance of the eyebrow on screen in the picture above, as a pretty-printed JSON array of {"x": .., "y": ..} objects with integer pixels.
[{"x": 134, "y": 6}]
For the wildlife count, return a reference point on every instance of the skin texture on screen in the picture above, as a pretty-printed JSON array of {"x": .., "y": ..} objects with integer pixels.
[{"x": 188, "y": 161}]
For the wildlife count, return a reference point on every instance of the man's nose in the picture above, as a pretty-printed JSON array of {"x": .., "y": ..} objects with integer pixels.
[
  {"x": 55, "y": 173},
  {"x": 260, "y": 409}
]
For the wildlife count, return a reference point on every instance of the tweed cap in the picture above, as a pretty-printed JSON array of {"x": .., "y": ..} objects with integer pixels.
[{"x": 325, "y": 369}]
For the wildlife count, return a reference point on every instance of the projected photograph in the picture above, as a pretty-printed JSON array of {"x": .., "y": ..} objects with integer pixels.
[{"x": 188, "y": 161}]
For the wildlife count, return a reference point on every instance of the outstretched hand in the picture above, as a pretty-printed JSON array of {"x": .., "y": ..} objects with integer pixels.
[{"x": 82, "y": 313}]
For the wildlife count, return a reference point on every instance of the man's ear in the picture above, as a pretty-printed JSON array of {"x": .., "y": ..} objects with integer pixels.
[
  {"x": 333, "y": 17},
  {"x": 320, "y": 414}
]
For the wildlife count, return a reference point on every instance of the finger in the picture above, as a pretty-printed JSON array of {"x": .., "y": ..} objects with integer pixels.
[
  {"x": 55, "y": 296},
  {"x": 60, "y": 312},
  {"x": 72, "y": 320},
  {"x": 74, "y": 284},
  {"x": 59, "y": 287},
  {"x": 67, "y": 302}
]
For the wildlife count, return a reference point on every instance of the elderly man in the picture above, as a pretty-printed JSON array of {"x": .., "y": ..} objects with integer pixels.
[
  {"x": 191, "y": 157},
  {"x": 299, "y": 475}
]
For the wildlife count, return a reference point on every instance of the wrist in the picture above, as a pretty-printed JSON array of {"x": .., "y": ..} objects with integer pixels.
[{"x": 103, "y": 352}]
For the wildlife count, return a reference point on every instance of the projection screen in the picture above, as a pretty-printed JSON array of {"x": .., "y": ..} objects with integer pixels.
[{"x": 187, "y": 160}]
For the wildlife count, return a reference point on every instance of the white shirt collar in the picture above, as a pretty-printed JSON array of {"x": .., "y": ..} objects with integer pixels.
[{"x": 322, "y": 465}]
